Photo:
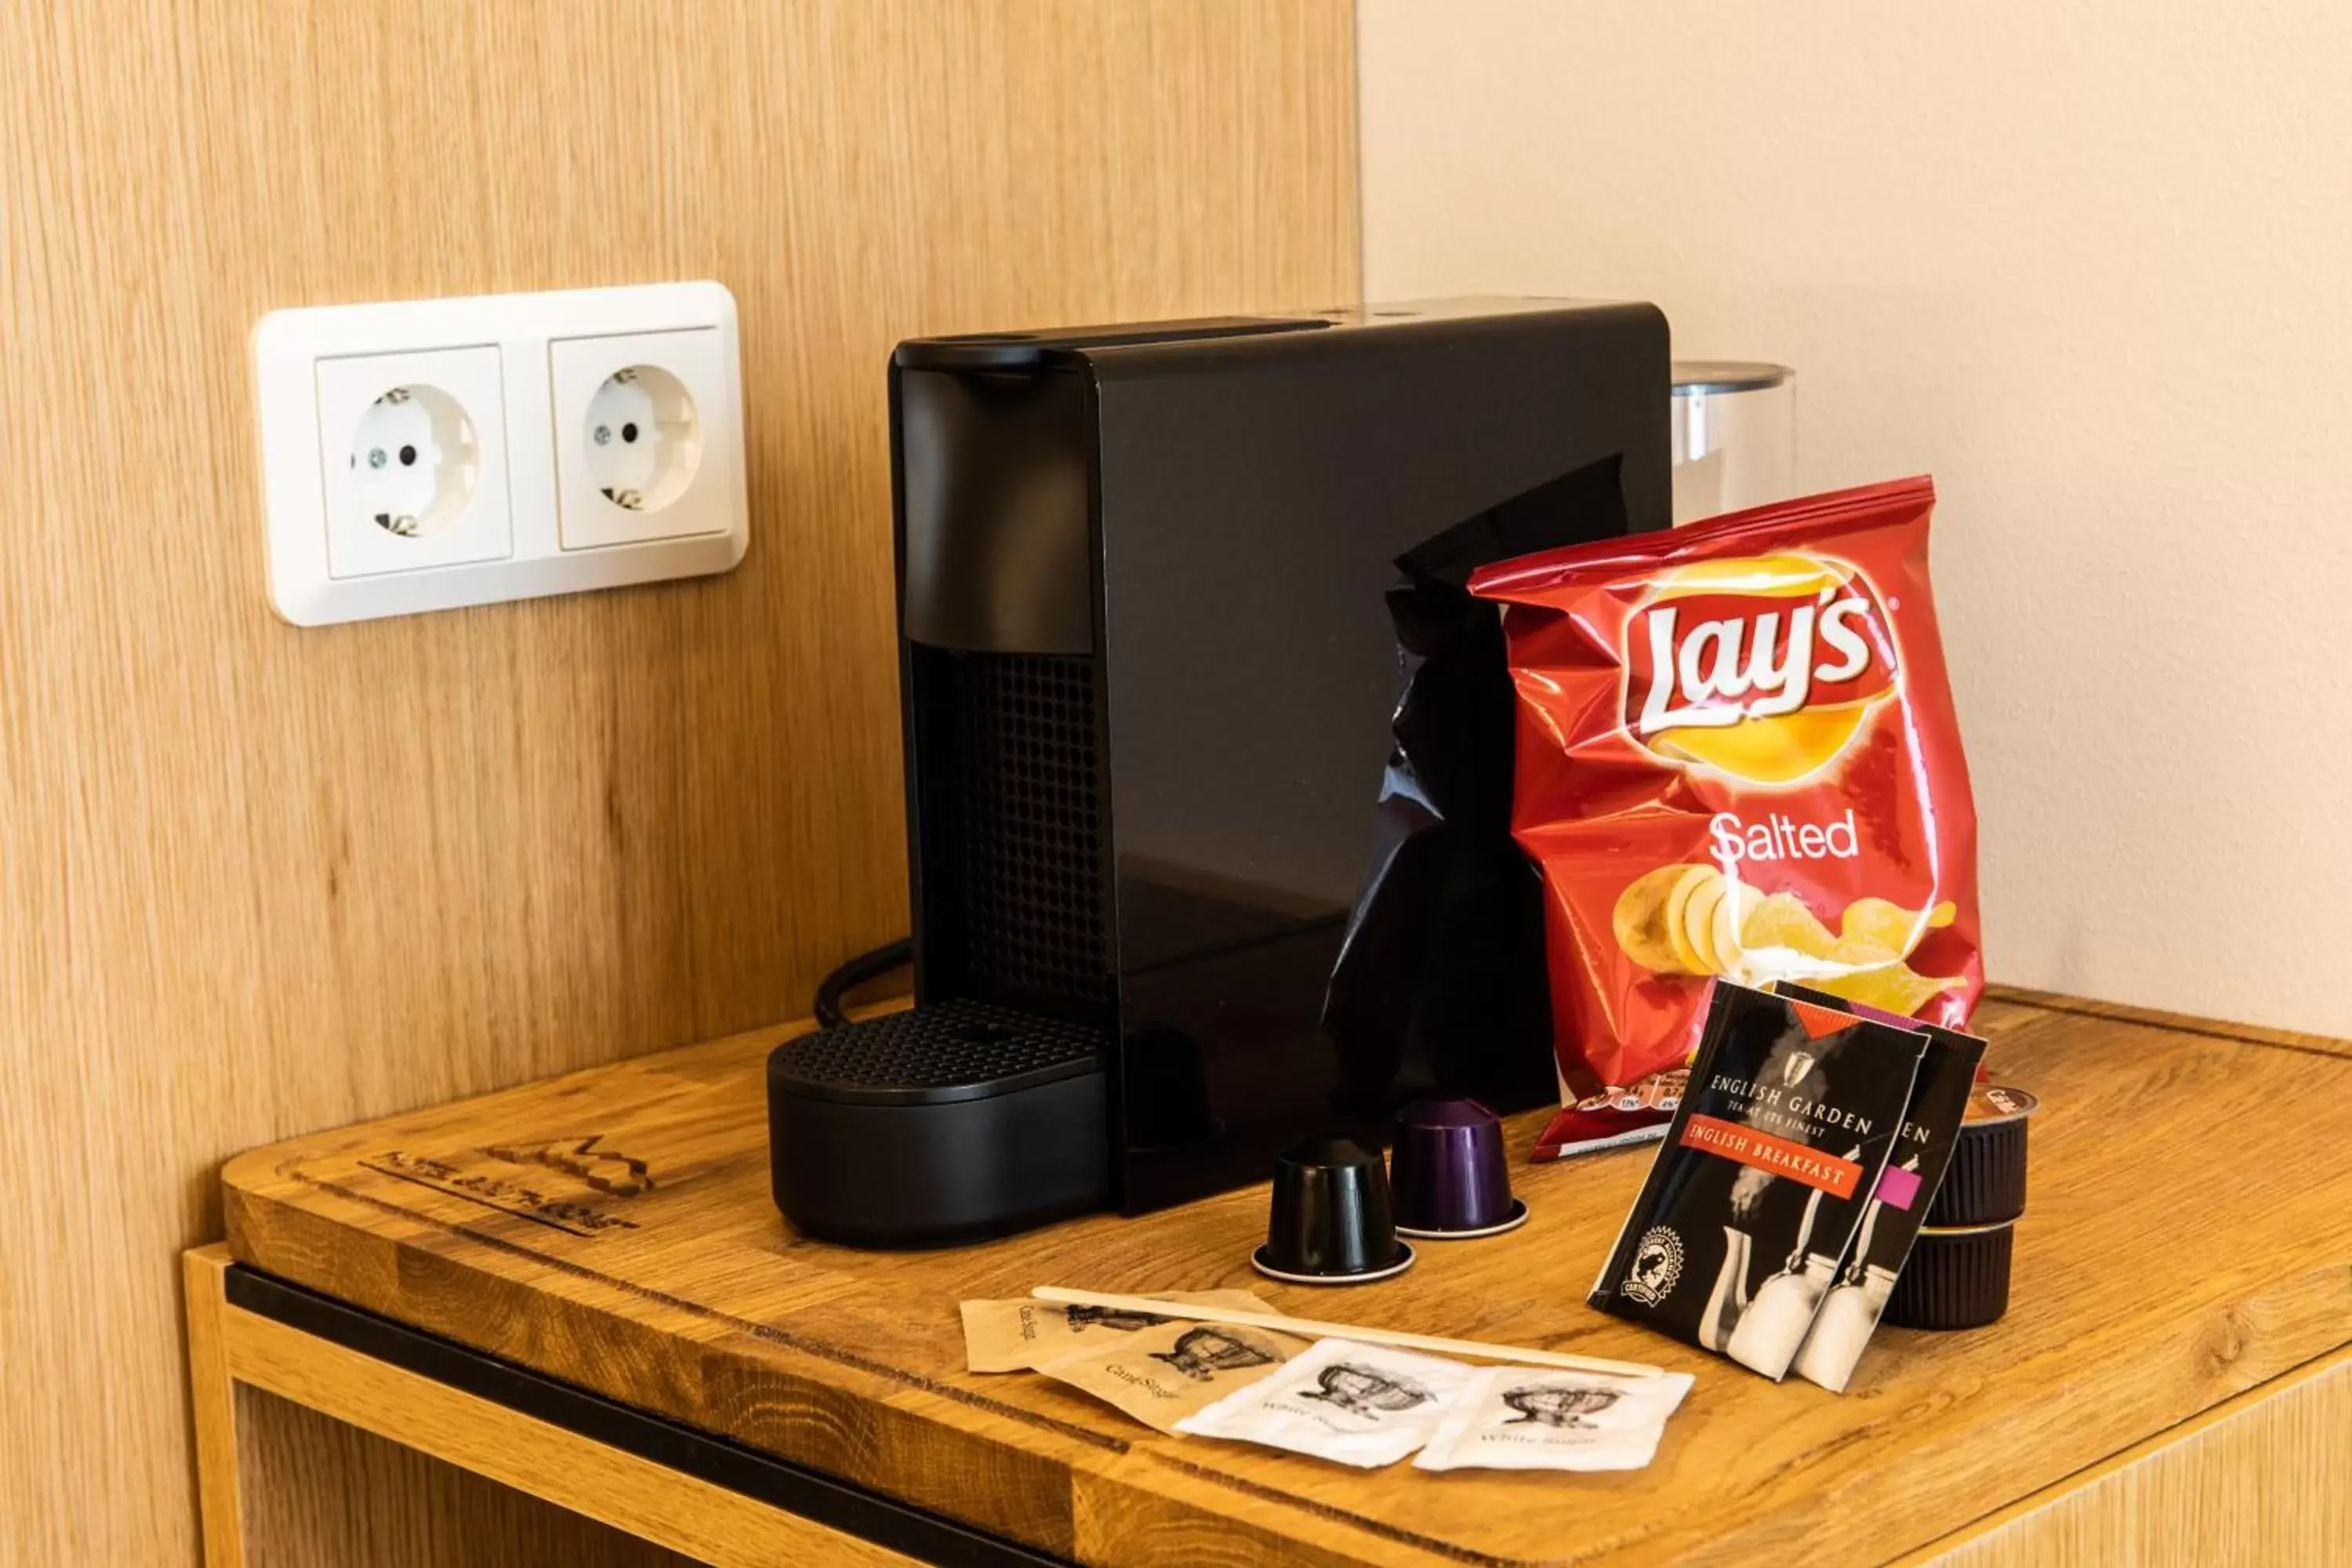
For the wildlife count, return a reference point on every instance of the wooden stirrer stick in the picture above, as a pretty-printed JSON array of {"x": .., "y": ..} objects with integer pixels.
[{"x": 1313, "y": 1329}]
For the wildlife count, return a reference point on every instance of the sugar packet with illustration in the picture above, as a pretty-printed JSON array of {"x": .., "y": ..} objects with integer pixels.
[
  {"x": 1162, "y": 1374},
  {"x": 1540, "y": 1418},
  {"x": 1020, "y": 1335},
  {"x": 1359, "y": 1404}
]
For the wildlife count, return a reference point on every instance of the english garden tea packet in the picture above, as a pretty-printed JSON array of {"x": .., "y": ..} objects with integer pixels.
[
  {"x": 1750, "y": 1208},
  {"x": 1022, "y": 1335},
  {"x": 1162, "y": 1374},
  {"x": 1359, "y": 1404},
  {"x": 1539, "y": 1418},
  {"x": 1915, "y": 1172}
]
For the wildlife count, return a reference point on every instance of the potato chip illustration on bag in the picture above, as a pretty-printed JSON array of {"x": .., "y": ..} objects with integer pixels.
[{"x": 1736, "y": 759}]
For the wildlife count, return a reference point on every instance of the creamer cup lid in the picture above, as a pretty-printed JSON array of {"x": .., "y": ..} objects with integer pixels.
[
  {"x": 1994, "y": 1102},
  {"x": 1928, "y": 1230}
]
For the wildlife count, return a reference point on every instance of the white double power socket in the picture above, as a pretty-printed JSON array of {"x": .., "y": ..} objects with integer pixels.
[{"x": 431, "y": 453}]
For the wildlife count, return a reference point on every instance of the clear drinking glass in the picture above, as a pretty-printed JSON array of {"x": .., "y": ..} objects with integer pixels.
[{"x": 1735, "y": 436}]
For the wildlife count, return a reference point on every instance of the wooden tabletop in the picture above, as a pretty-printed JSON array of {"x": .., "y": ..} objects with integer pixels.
[{"x": 2186, "y": 1239}]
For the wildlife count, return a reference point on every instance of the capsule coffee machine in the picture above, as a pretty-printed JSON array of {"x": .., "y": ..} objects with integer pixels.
[{"x": 1149, "y": 677}]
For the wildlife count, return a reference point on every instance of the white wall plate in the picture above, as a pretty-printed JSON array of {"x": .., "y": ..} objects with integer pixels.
[{"x": 433, "y": 453}]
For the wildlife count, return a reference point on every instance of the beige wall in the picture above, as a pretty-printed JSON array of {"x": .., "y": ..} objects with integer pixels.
[
  {"x": 2090, "y": 264},
  {"x": 256, "y": 880}
]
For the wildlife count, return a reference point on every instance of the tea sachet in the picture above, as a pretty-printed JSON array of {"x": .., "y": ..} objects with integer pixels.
[
  {"x": 1752, "y": 1205},
  {"x": 1914, "y": 1173}
]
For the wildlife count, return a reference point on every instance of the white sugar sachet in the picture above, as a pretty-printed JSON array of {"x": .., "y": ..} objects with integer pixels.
[
  {"x": 1360, "y": 1404},
  {"x": 1538, "y": 1418}
]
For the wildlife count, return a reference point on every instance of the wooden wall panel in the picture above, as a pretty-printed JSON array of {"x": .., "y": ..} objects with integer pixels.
[{"x": 256, "y": 880}]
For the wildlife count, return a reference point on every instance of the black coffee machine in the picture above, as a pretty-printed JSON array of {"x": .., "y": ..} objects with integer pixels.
[{"x": 1148, "y": 674}]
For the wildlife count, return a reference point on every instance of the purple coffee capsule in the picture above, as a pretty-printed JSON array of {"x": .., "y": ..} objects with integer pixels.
[{"x": 1450, "y": 1178}]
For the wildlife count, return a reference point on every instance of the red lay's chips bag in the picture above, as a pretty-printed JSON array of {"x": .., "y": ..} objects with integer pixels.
[{"x": 1736, "y": 756}]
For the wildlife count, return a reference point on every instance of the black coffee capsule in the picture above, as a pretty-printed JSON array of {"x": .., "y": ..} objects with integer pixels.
[
  {"x": 1954, "y": 1279},
  {"x": 1330, "y": 1221}
]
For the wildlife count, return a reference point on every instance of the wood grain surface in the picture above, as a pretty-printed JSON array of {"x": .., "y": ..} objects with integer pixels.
[
  {"x": 211, "y": 1398},
  {"x": 322, "y": 1493},
  {"x": 2124, "y": 1012},
  {"x": 256, "y": 880},
  {"x": 2258, "y": 1481},
  {"x": 2174, "y": 1256},
  {"x": 523, "y": 1462}
]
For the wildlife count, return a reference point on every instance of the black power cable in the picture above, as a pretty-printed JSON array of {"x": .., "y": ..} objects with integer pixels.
[{"x": 866, "y": 966}]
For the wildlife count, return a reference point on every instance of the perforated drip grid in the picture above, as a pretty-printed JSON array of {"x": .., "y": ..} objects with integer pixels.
[
  {"x": 1031, "y": 838},
  {"x": 945, "y": 1051}
]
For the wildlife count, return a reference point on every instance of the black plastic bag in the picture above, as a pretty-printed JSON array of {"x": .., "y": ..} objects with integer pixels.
[{"x": 1440, "y": 985}]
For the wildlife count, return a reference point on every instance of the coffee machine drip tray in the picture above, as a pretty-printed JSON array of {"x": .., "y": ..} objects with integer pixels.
[{"x": 947, "y": 1123}]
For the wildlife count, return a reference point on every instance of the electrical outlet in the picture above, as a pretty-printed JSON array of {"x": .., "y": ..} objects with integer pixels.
[
  {"x": 634, "y": 415},
  {"x": 413, "y": 448},
  {"x": 434, "y": 453}
]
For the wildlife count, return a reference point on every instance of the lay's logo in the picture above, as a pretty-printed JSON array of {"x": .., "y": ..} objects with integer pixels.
[{"x": 1763, "y": 667}]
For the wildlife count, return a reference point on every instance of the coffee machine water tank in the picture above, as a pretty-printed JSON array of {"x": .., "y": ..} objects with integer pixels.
[{"x": 1735, "y": 436}]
